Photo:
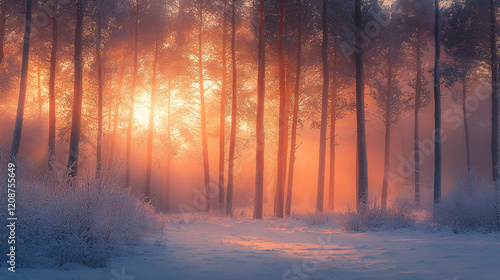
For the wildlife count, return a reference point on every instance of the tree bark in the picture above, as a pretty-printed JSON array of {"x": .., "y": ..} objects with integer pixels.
[
  {"x": 204, "y": 140},
  {"x": 293, "y": 141},
  {"x": 16, "y": 139},
  {"x": 149, "y": 160},
  {"x": 324, "y": 115},
  {"x": 132, "y": 96},
  {"x": 416, "y": 141},
  {"x": 259, "y": 155},
  {"x": 362, "y": 188},
  {"x": 2, "y": 30},
  {"x": 437, "y": 109},
  {"x": 74, "y": 144},
  {"x": 494, "y": 96},
  {"x": 333, "y": 122},
  {"x": 39, "y": 86},
  {"x": 52, "y": 92},
  {"x": 234, "y": 112},
  {"x": 388, "y": 118},
  {"x": 466, "y": 125},
  {"x": 100, "y": 93},
  {"x": 169, "y": 157},
  {"x": 222, "y": 135},
  {"x": 278, "y": 200}
]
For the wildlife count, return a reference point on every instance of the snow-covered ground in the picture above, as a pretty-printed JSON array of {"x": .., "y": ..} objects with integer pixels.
[{"x": 219, "y": 248}]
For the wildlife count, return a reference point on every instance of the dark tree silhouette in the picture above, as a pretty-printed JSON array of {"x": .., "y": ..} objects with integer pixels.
[
  {"x": 76, "y": 121},
  {"x": 362, "y": 161},
  {"x": 324, "y": 112},
  {"x": 437, "y": 107},
  {"x": 52, "y": 90},
  {"x": 283, "y": 136},
  {"x": 16, "y": 138},
  {"x": 259, "y": 157},
  {"x": 234, "y": 117}
]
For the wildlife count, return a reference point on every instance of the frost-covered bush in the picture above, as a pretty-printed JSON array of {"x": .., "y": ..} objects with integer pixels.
[
  {"x": 473, "y": 204},
  {"x": 374, "y": 217},
  {"x": 87, "y": 222}
]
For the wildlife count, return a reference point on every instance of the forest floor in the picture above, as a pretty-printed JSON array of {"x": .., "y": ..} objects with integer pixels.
[{"x": 242, "y": 248}]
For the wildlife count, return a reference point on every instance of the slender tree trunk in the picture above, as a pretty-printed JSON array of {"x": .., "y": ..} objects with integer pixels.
[
  {"x": 259, "y": 156},
  {"x": 278, "y": 200},
  {"x": 416, "y": 141},
  {"x": 147, "y": 195},
  {"x": 362, "y": 190},
  {"x": 100, "y": 101},
  {"x": 2, "y": 29},
  {"x": 16, "y": 139},
  {"x": 466, "y": 125},
  {"x": 132, "y": 96},
  {"x": 286, "y": 121},
  {"x": 293, "y": 143},
  {"x": 222, "y": 136},
  {"x": 388, "y": 118},
  {"x": 437, "y": 109},
  {"x": 39, "y": 86},
  {"x": 494, "y": 96},
  {"x": 74, "y": 144},
  {"x": 169, "y": 157},
  {"x": 232, "y": 142},
  {"x": 385, "y": 181},
  {"x": 117, "y": 107},
  {"x": 52, "y": 92},
  {"x": 324, "y": 115},
  {"x": 204, "y": 140},
  {"x": 333, "y": 122}
]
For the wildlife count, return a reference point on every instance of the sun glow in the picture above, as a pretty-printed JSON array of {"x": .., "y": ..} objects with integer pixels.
[{"x": 142, "y": 109}]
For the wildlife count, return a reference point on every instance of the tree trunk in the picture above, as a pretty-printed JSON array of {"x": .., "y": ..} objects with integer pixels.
[
  {"x": 362, "y": 188},
  {"x": 147, "y": 195},
  {"x": 234, "y": 112},
  {"x": 39, "y": 86},
  {"x": 437, "y": 112},
  {"x": 259, "y": 155},
  {"x": 16, "y": 139},
  {"x": 293, "y": 141},
  {"x": 466, "y": 125},
  {"x": 100, "y": 101},
  {"x": 387, "y": 147},
  {"x": 385, "y": 181},
  {"x": 74, "y": 144},
  {"x": 2, "y": 30},
  {"x": 333, "y": 122},
  {"x": 437, "y": 109},
  {"x": 117, "y": 108},
  {"x": 324, "y": 115},
  {"x": 204, "y": 140},
  {"x": 222, "y": 135},
  {"x": 278, "y": 200},
  {"x": 52, "y": 92},
  {"x": 169, "y": 157},
  {"x": 132, "y": 96},
  {"x": 416, "y": 141},
  {"x": 494, "y": 96}
]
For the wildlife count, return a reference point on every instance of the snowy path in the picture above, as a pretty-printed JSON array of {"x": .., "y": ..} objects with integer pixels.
[{"x": 211, "y": 248}]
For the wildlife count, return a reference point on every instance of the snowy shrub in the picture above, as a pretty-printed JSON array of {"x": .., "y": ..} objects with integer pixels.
[
  {"x": 87, "y": 222},
  {"x": 374, "y": 217},
  {"x": 472, "y": 205}
]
